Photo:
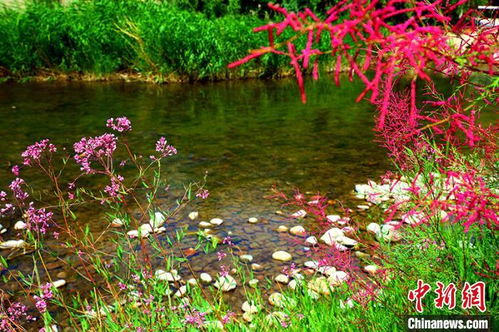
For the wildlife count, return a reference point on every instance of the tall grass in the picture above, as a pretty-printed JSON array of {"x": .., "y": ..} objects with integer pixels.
[{"x": 150, "y": 38}]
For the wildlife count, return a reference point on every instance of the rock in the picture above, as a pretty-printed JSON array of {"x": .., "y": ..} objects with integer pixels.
[
  {"x": 333, "y": 218},
  {"x": 362, "y": 207},
  {"x": 117, "y": 222},
  {"x": 133, "y": 234},
  {"x": 168, "y": 276},
  {"x": 298, "y": 231},
  {"x": 311, "y": 241},
  {"x": 246, "y": 258},
  {"x": 193, "y": 282},
  {"x": 204, "y": 224},
  {"x": 298, "y": 276},
  {"x": 282, "y": 278},
  {"x": 181, "y": 291},
  {"x": 361, "y": 254},
  {"x": 145, "y": 230},
  {"x": 276, "y": 318},
  {"x": 282, "y": 256},
  {"x": 19, "y": 225},
  {"x": 282, "y": 229},
  {"x": 213, "y": 325},
  {"x": 373, "y": 228},
  {"x": 389, "y": 233},
  {"x": 216, "y": 221},
  {"x": 346, "y": 241},
  {"x": 253, "y": 283},
  {"x": 331, "y": 235},
  {"x": 248, "y": 317},
  {"x": 256, "y": 267},
  {"x": 226, "y": 284},
  {"x": 205, "y": 278},
  {"x": 277, "y": 299},
  {"x": 12, "y": 244},
  {"x": 299, "y": 214},
  {"x": 253, "y": 220},
  {"x": 293, "y": 284},
  {"x": 348, "y": 304},
  {"x": 250, "y": 307},
  {"x": 312, "y": 264},
  {"x": 348, "y": 230},
  {"x": 313, "y": 294},
  {"x": 193, "y": 215},
  {"x": 327, "y": 270},
  {"x": 371, "y": 269},
  {"x": 320, "y": 285},
  {"x": 157, "y": 220},
  {"x": 337, "y": 278},
  {"x": 61, "y": 275},
  {"x": 59, "y": 283}
]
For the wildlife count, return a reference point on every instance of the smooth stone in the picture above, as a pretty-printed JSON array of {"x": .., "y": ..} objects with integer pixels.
[
  {"x": 320, "y": 285},
  {"x": 282, "y": 278},
  {"x": 327, "y": 270},
  {"x": 249, "y": 307},
  {"x": 204, "y": 224},
  {"x": 282, "y": 256},
  {"x": 311, "y": 241},
  {"x": 299, "y": 214},
  {"x": 20, "y": 225},
  {"x": 282, "y": 229},
  {"x": 253, "y": 220},
  {"x": 225, "y": 284},
  {"x": 362, "y": 207},
  {"x": 193, "y": 282},
  {"x": 117, "y": 222},
  {"x": 348, "y": 304},
  {"x": 193, "y": 215},
  {"x": 293, "y": 284},
  {"x": 157, "y": 220},
  {"x": 205, "y": 278},
  {"x": 346, "y": 241},
  {"x": 248, "y": 317},
  {"x": 277, "y": 299},
  {"x": 216, "y": 221},
  {"x": 373, "y": 228},
  {"x": 298, "y": 276},
  {"x": 181, "y": 291},
  {"x": 361, "y": 254},
  {"x": 13, "y": 244},
  {"x": 389, "y": 233},
  {"x": 276, "y": 318},
  {"x": 331, "y": 235},
  {"x": 298, "y": 231},
  {"x": 145, "y": 230},
  {"x": 348, "y": 230},
  {"x": 371, "y": 269},
  {"x": 253, "y": 283},
  {"x": 61, "y": 275},
  {"x": 338, "y": 277},
  {"x": 168, "y": 276},
  {"x": 312, "y": 264},
  {"x": 133, "y": 234},
  {"x": 59, "y": 283},
  {"x": 333, "y": 218},
  {"x": 256, "y": 267},
  {"x": 313, "y": 294},
  {"x": 246, "y": 258}
]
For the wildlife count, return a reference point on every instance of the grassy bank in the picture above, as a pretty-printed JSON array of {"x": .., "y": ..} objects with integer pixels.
[{"x": 147, "y": 40}]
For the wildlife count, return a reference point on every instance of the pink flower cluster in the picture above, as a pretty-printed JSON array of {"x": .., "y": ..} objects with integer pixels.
[
  {"x": 18, "y": 192},
  {"x": 164, "y": 149},
  {"x": 12, "y": 318},
  {"x": 34, "y": 152},
  {"x": 38, "y": 219},
  {"x": 120, "y": 124},
  {"x": 196, "y": 318},
  {"x": 114, "y": 188},
  {"x": 94, "y": 149},
  {"x": 203, "y": 194},
  {"x": 41, "y": 301}
]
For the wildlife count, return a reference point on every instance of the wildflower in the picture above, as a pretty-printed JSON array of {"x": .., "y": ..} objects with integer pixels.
[
  {"x": 224, "y": 271},
  {"x": 38, "y": 219},
  {"x": 228, "y": 317},
  {"x": 7, "y": 209},
  {"x": 203, "y": 194},
  {"x": 228, "y": 241},
  {"x": 40, "y": 304},
  {"x": 93, "y": 149},
  {"x": 114, "y": 188},
  {"x": 121, "y": 286},
  {"x": 19, "y": 193},
  {"x": 34, "y": 152},
  {"x": 164, "y": 149},
  {"x": 221, "y": 255},
  {"x": 120, "y": 124},
  {"x": 196, "y": 318},
  {"x": 3, "y": 196},
  {"x": 55, "y": 235},
  {"x": 15, "y": 170}
]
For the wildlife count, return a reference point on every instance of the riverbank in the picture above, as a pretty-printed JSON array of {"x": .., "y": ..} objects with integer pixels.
[{"x": 129, "y": 40}]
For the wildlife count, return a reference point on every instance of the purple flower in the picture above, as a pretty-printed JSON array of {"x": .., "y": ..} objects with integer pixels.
[
  {"x": 38, "y": 219},
  {"x": 93, "y": 148},
  {"x": 203, "y": 194},
  {"x": 228, "y": 241},
  {"x": 221, "y": 255},
  {"x": 121, "y": 286},
  {"x": 40, "y": 304},
  {"x": 228, "y": 317},
  {"x": 7, "y": 209},
  {"x": 119, "y": 124},
  {"x": 164, "y": 149},
  {"x": 19, "y": 193},
  {"x": 224, "y": 271},
  {"x": 114, "y": 188},
  {"x": 34, "y": 152},
  {"x": 3, "y": 195},
  {"x": 15, "y": 170},
  {"x": 196, "y": 318}
]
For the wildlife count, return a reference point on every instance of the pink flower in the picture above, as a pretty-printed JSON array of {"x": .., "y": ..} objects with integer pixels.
[
  {"x": 228, "y": 317},
  {"x": 114, "y": 188},
  {"x": 19, "y": 193},
  {"x": 119, "y": 124},
  {"x": 94, "y": 149},
  {"x": 203, "y": 194},
  {"x": 196, "y": 318},
  {"x": 34, "y": 152},
  {"x": 38, "y": 219},
  {"x": 3, "y": 196},
  {"x": 15, "y": 170},
  {"x": 224, "y": 271},
  {"x": 221, "y": 255},
  {"x": 164, "y": 149}
]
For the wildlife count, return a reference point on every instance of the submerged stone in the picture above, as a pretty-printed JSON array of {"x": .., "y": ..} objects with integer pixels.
[{"x": 282, "y": 256}]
